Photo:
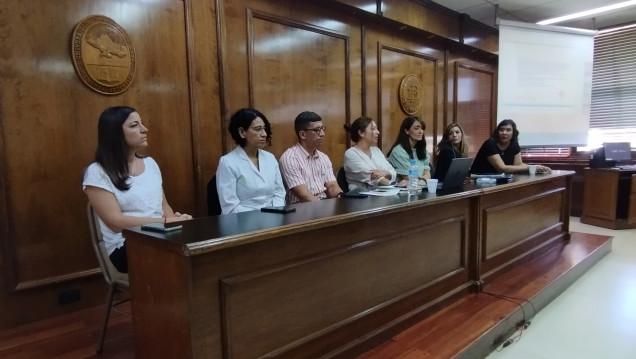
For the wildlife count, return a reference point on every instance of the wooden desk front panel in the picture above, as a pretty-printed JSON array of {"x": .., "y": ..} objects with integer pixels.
[
  {"x": 631, "y": 214},
  {"x": 290, "y": 296},
  {"x": 336, "y": 275},
  {"x": 534, "y": 218},
  {"x": 600, "y": 194}
]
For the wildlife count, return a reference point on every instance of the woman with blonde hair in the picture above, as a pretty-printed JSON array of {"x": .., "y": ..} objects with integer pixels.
[{"x": 452, "y": 145}]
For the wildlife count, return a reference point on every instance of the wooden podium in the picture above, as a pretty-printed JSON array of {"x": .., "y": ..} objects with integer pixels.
[{"x": 609, "y": 197}]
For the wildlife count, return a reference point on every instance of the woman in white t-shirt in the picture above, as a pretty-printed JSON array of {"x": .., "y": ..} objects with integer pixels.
[
  {"x": 364, "y": 164},
  {"x": 123, "y": 187}
]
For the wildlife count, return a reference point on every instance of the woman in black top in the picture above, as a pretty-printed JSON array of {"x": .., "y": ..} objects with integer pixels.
[
  {"x": 501, "y": 153},
  {"x": 452, "y": 145}
]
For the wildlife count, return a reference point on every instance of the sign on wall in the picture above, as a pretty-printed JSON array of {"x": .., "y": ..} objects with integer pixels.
[
  {"x": 103, "y": 55},
  {"x": 410, "y": 94}
]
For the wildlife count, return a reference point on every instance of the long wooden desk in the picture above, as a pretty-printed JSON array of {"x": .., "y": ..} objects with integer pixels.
[
  {"x": 609, "y": 197},
  {"x": 337, "y": 275}
]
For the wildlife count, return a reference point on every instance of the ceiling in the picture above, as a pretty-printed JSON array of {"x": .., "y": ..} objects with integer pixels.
[{"x": 533, "y": 11}]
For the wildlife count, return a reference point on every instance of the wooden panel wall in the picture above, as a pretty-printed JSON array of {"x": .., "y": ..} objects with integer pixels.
[
  {"x": 393, "y": 65},
  {"x": 198, "y": 62},
  {"x": 474, "y": 103},
  {"x": 49, "y": 130},
  {"x": 284, "y": 60}
]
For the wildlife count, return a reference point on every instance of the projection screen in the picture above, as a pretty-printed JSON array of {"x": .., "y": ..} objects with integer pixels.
[{"x": 545, "y": 82}]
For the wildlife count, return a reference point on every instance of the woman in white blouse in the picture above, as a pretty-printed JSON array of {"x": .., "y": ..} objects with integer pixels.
[
  {"x": 248, "y": 178},
  {"x": 364, "y": 164}
]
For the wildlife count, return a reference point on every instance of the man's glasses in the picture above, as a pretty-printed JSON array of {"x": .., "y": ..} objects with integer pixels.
[{"x": 317, "y": 130}]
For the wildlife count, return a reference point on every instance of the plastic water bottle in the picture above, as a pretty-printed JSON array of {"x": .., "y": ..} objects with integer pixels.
[{"x": 413, "y": 187}]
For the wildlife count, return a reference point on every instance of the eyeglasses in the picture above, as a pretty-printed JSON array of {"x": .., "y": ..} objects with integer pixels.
[{"x": 317, "y": 130}]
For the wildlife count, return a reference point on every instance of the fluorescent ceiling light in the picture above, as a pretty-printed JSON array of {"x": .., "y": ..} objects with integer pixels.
[{"x": 588, "y": 13}]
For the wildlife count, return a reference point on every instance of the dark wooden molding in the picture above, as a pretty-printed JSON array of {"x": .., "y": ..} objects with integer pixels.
[
  {"x": 363, "y": 73},
  {"x": 194, "y": 113},
  {"x": 445, "y": 96},
  {"x": 6, "y": 243},
  {"x": 222, "y": 63},
  {"x": 57, "y": 279},
  {"x": 380, "y": 19}
]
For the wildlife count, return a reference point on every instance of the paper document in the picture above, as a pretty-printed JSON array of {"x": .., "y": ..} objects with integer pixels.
[{"x": 382, "y": 192}]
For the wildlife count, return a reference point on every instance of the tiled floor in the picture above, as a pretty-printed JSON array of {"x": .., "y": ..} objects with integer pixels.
[{"x": 595, "y": 318}]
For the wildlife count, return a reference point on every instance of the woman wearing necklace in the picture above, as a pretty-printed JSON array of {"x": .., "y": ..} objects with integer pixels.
[
  {"x": 453, "y": 145},
  {"x": 364, "y": 164},
  {"x": 410, "y": 145},
  {"x": 501, "y": 153},
  {"x": 248, "y": 177},
  {"x": 123, "y": 187}
]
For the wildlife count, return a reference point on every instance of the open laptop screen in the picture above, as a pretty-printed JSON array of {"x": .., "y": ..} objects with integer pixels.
[{"x": 457, "y": 173}]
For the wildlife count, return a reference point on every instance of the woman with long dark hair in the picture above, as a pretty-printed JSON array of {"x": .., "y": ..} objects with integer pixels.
[
  {"x": 124, "y": 187},
  {"x": 501, "y": 152},
  {"x": 410, "y": 144}
]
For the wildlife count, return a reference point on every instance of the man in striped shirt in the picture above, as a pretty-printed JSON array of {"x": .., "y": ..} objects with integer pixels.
[{"x": 307, "y": 172}]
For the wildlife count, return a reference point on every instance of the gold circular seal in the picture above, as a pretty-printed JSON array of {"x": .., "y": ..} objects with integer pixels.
[
  {"x": 410, "y": 94},
  {"x": 103, "y": 55}
]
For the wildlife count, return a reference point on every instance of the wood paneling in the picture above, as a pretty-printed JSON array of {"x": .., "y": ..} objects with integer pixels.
[
  {"x": 475, "y": 326},
  {"x": 336, "y": 275},
  {"x": 539, "y": 214},
  {"x": 388, "y": 59},
  {"x": 440, "y": 22},
  {"x": 631, "y": 213},
  {"x": 49, "y": 123},
  {"x": 285, "y": 60},
  {"x": 478, "y": 35},
  {"x": 474, "y": 103},
  {"x": 202, "y": 35},
  {"x": 609, "y": 198},
  {"x": 600, "y": 193},
  {"x": 198, "y": 62},
  {"x": 257, "y": 322},
  {"x": 467, "y": 328},
  {"x": 393, "y": 65},
  {"x": 297, "y": 67}
]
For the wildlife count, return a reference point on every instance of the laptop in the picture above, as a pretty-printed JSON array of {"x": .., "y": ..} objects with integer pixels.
[{"x": 457, "y": 173}]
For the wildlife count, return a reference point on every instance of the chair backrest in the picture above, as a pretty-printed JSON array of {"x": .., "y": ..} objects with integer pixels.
[
  {"x": 214, "y": 206},
  {"x": 111, "y": 274},
  {"x": 341, "y": 178}
]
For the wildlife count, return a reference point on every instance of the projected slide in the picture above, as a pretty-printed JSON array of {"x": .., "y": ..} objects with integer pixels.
[{"x": 545, "y": 82}]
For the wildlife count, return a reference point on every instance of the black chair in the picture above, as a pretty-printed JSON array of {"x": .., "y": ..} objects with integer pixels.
[
  {"x": 341, "y": 178},
  {"x": 432, "y": 169},
  {"x": 214, "y": 207}
]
